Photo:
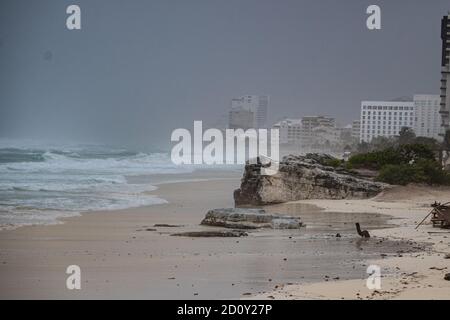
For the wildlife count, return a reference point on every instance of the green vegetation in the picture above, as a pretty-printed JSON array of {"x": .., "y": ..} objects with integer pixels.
[
  {"x": 332, "y": 162},
  {"x": 404, "y": 154},
  {"x": 405, "y": 137},
  {"x": 403, "y": 164},
  {"x": 422, "y": 171},
  {"x": 404, "y": 159}
]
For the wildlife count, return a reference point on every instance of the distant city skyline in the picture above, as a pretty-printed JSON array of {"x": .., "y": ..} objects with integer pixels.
[
  {"x": 256, "y": 106},
  {"x": 138, "y": 70},
  {"x": 375, "y": 119}
]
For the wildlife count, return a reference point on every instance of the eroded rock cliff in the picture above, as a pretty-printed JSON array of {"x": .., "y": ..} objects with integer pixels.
[{"x": 302, "y": 177}]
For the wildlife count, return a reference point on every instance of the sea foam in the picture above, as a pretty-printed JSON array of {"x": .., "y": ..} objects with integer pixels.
[{"x": 40, "y": 183}]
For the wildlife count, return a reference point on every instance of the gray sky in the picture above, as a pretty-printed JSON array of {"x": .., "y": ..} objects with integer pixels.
[{"x": 138, "y": 69}]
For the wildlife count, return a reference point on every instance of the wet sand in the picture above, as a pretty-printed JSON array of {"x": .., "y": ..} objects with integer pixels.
[
  {"x": 119, "y": 258},
  {"x": 406, "y": 275}
]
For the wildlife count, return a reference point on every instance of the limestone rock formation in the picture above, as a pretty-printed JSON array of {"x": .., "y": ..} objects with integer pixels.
[
  {"x": 238, "y": 218},
  {"x": 303, "y": 177}
]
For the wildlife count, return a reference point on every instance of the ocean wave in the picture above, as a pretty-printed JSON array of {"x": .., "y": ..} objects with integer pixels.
[
  {"x": 58, "y": 162},
  {"x": 41, "y": 183}
]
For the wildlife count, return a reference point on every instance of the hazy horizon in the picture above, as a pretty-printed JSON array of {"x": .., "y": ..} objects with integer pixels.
[{"x": 138, "y": 70}]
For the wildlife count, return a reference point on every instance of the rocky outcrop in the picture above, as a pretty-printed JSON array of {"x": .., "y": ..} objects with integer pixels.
[
  {"x": 303, "y": 177},
  {"x": 237, "y": 218}
]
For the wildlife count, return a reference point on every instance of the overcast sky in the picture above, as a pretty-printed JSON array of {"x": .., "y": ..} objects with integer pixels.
[{"x": 138, "y": 69}]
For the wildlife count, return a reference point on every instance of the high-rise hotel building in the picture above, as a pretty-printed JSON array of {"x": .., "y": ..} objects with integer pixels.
[
  {"x": 258, "y": 105},
  {"x": 385, "y": 118},
  {"x": 445, "y": 82},
  {"x": 427, "y": 122}
]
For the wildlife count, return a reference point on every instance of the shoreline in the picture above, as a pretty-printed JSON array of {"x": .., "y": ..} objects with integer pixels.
[
  {"x": 152, "y": 180},
  {"x": 122, "y": 254},
  {"x": 112, "y": 245},
  {"x": 407, "y": 276}
]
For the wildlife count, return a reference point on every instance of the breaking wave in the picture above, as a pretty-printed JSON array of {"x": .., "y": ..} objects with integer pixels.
[{"x": 39, "y": 184}]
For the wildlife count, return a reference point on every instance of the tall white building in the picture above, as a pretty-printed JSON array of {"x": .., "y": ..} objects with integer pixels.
[
  {"x": 311, "y": 123},
  {"x": 427, "y": 122},
  {"x": 385, "y": 118},
  {"x": 240, "y": 118},
  {"x": 259, "y": 105},
  {"x": 356, "y": 129},
  {"x": 311, "y": 131},
  {"x": 445, "y": 71},
  {"x": 290, "y": 131}
]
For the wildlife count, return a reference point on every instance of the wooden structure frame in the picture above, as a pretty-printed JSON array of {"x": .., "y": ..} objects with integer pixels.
[{"x": 440, "y": 215}]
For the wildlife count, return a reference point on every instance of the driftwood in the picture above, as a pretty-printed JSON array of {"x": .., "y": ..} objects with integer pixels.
[
  {"x": 211, "y": 234},
  {"x": 363, "y": 233},
  {"x": 165, "y": 225}
]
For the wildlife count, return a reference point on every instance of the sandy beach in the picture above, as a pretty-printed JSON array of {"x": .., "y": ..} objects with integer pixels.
[
  {"x": 122, "y": 254},
  {"x": 230, "y": 151},
  {"x": 115, "y": 259},
  {"x": 405, "y": 276}
]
